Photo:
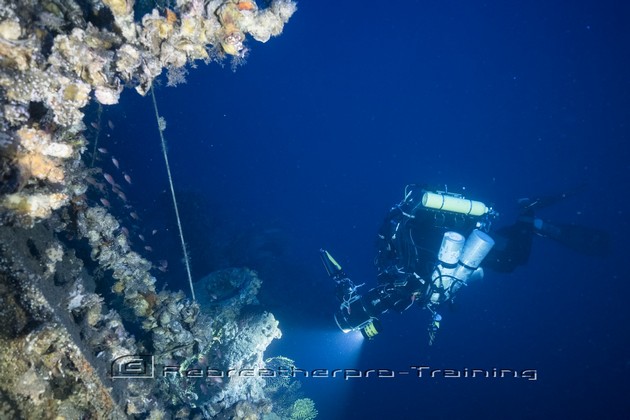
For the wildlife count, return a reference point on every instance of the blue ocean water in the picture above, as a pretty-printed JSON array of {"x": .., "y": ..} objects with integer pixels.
[{"x": 312, "y": 141}]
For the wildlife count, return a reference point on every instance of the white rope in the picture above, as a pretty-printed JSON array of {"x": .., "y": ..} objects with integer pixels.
[{"x": 170, "y": 181}]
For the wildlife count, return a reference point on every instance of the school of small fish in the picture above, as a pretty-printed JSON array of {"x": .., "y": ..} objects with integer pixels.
[{"x": 117, "y": 190}]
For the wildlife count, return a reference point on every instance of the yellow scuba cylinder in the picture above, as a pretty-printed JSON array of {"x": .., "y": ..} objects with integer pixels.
[{"x": 439, "y": 201}]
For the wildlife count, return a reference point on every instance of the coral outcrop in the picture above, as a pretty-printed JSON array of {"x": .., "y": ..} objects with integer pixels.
[
  {"x": 58, "y": 55},
  {"x": 62, "y": 339}
]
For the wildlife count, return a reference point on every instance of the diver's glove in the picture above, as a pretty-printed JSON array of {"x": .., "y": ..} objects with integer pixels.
[
  {"x": 540, "y": 227},
  {"x": 546, "y": 229}
]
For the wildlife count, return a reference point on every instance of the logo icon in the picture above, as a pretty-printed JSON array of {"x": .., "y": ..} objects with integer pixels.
[{"x": 138, "y": 366}]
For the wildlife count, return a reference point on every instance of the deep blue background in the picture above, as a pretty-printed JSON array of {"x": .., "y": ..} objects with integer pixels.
[{"x": 311, "y": 142}]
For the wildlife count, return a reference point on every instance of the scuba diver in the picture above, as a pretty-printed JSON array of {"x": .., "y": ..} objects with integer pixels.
[{"x": 433, "y": 243}]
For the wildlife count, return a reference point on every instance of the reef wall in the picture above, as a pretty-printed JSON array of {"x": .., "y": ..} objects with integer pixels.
[{"x": 57, "y": 56}]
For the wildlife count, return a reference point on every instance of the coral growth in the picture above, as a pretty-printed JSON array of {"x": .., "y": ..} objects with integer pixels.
[
  {"x": 303, "y": 409},
  {"x": 224, "y": 293},
  {"x": 57, "y": 56}
]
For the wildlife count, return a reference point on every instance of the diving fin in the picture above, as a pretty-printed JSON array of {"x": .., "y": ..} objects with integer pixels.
[
  {"x": 582, "y": 239},
  {"x": 537, "y": 203},
  {"x": 332, "y": 267}
]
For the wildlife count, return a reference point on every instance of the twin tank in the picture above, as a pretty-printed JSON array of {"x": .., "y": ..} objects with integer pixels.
[
  {"x": 459, "y": 258},
  {"x": 459, "y": 261}
]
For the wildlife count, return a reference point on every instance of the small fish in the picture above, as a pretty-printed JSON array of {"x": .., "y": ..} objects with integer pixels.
[
  {"x": 109, "y": 179},
  {"x": 122, "y": 196},
  {"x": 154, "y": 231},
  {"x": 102, "y": 150},
  {"x": 95, "y": 125},
  {"x": 110, "y": 124},
  {"x": 98, "y": 185},
  {"x": 141, "y": 236},
  {"x": 91, "y": 181},
  {"x": 148, "y": 248},
  {"x": 105, "y": 202},
  {"x": 125, "y": 231},
  {"x": 115, "y": 162},
  {"x": 134, "y": 215},
  {"x": 127, "y": 178}
]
